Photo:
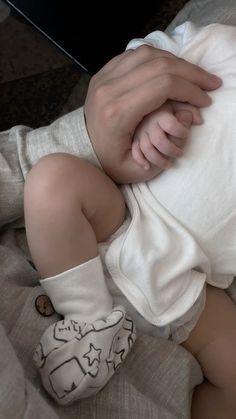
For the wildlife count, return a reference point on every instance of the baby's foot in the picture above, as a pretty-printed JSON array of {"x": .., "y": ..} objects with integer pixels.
[{"x": 76, "y": 360}]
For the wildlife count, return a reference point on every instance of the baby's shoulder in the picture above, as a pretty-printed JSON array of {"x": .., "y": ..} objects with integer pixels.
[
  {"x": 209, "y": 44},
  {"x": 213, "y": 34}
]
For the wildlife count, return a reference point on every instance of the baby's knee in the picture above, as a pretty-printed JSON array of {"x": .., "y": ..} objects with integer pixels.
[
  {"x": 51, "y": 175},
  {"x": 46, "y": 187}
]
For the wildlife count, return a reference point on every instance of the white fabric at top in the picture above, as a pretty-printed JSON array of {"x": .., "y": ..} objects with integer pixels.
[{"x": 183, "y": 228}]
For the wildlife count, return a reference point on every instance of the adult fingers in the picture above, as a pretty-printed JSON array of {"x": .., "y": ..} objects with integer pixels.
[
  {"x": 185, "y": 117},
  {"x": 149, "y": 62},
  {"x": 132, "y": 58},
  {"x": 193, "y": 73},
  {"x": 150, "y": 95},
  {"x": 190, "y": 111},
  {"x": 158, "y": 62}
]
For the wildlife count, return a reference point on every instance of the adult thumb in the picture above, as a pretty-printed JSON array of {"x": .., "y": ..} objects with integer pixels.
[{"x": 185, "y": 117}]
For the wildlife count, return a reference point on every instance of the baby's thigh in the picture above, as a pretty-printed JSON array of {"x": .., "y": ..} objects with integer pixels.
[{"x": 213, "y": 340}]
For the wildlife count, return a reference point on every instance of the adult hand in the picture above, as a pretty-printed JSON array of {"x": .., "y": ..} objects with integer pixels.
[{"x": 126, "y": 89}]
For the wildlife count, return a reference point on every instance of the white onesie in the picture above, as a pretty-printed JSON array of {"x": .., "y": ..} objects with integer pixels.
[{"x": 182, "y": 228}]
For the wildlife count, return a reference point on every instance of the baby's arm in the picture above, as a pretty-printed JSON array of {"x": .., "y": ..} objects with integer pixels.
[{"x": 161, "y": 136}]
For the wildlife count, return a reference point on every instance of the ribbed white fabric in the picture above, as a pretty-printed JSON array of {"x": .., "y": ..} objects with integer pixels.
[{"x": 81, "y": 292}]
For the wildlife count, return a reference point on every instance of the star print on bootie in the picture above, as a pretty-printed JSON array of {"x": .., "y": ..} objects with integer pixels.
[{"x": 76, "y": 360}]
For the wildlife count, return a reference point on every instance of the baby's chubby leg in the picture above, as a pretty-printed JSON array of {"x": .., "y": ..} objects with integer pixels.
[
  {"x": 213, "y": 343},
  {"x": 70, "y": 206}
]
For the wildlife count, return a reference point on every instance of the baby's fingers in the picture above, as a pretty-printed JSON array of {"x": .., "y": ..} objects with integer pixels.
[
  {"x": 152, "y": 153},
  {"x": 138, "y": 155},
  {"x": 163, "y": 144},
  {"x": 170, "y": 124}
]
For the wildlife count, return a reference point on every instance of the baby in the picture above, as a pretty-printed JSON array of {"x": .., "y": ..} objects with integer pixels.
[{"x": 164, "y": 248}]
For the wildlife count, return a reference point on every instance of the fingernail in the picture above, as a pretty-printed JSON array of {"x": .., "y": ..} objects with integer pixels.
[{"x": 216, "y": 81}]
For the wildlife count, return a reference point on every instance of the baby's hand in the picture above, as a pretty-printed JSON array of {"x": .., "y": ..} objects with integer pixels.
[{"x": 160, "y": 137}]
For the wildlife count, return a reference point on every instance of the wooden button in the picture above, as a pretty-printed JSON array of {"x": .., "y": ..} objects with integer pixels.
[{"x": 44, "y": 306}]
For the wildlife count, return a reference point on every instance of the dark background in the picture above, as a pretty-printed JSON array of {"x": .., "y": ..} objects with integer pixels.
[
  {"x": 39, "y": 82},
  {"x": 91, "y": 32}
]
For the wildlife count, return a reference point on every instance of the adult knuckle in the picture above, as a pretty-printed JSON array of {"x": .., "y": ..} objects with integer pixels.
[
  {"x": 146, "y": 51},
  {"x": 101, "y": 90},
  {"x": 106, "y": 103},
  {"x": 167, "y": 81},
  {"x": 163, "y": 65}
]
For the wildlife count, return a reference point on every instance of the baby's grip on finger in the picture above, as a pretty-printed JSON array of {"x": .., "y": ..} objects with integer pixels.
[
  {"x": 152, "y": 153},
  {"x": 171, "y": 126},
  {"x": 138, "y": 155},
  {"x": 163, "y": 144}
]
